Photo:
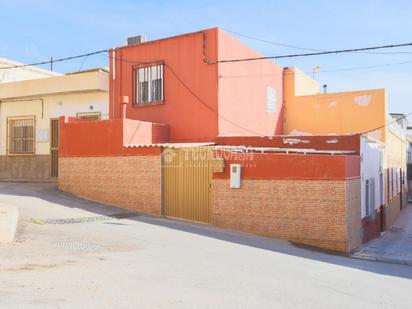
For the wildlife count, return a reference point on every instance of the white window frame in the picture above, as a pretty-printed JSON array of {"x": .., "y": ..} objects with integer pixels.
[{"x": 148, "y": 74}]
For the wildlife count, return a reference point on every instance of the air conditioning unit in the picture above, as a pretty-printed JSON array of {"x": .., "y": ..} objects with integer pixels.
[{"x": 134, "y": 40}]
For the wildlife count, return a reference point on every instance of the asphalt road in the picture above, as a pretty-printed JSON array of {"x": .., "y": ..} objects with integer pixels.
[{"x": 146, "y": 262}]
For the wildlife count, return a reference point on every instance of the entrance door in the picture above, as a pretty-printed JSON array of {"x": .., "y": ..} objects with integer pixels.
[
  {"x": 187, "y": 174},
  {"x": 54, "y": 147}
]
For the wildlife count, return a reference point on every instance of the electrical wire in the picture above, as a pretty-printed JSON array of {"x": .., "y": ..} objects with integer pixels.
[
  {"x": 234, "y": 60},
  {"x": 302, "y": 48},
  {"x": 238, "y": 125},
  {"x": 269, "y": 42},
  {"x": 328, "y": 52},
  {"x": 387, "y": 124},
  {"x": 54, "y": 60},
  {"x": 316, "y": 53},
  {"x": 207, "y": 105},
  {"x": 374, "y": 66}
]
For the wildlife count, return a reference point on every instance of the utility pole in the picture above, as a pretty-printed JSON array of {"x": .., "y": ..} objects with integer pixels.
[{"x": 51, "y": 63}]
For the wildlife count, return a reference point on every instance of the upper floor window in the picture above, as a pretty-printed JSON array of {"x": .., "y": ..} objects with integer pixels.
[
  {"x": 20, "y": 137},
  {"x": 148, "y": 84}
]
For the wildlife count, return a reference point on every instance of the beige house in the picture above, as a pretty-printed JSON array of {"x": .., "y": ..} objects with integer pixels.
[
  {"x": 11, "y": 71},
  {"x": 29, "y": 112}
]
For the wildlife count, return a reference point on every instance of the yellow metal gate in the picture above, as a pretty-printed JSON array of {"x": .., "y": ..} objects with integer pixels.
[{"x": 186, "y": 183}]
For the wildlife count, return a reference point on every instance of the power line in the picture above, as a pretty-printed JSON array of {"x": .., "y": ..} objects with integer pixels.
[
  {"x": 337, "y": 51},
  {"x": 234, "y": 123},
  {"x": 234, "y": 60},
  {"x": 374, "y": 66},
  {"x": 387, "y": 123},
  {"x": 54, "y": 60},
  {"x": 270, "y": 42},
  {"x": 303, "y": 48},
  {"x": 209, "y": 107}
]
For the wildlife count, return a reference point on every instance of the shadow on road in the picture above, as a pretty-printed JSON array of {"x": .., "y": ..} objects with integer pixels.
[{"x": 49, "y": 192}]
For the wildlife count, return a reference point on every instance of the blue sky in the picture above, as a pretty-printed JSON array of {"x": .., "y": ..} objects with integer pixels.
[{"x": 35, "y": 30}]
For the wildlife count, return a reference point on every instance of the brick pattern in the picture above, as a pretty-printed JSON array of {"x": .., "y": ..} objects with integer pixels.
[
  {"x": 25, "y": 167},
  {"x": 130, "y": 182},
  {"x": 310, "y": 212},
  {"x": 353, "y": 223}
]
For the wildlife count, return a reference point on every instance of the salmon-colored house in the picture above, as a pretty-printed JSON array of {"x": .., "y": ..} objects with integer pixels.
[
  {"x": 179, "y": 82},
  {"x": 196, "y": 136}
]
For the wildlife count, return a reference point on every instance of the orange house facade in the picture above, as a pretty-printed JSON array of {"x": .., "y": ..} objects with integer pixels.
[
  {"x": 179, "y": 82},
  {"x": 245, "y": 145},
  {"x": 383, "y": 169}
]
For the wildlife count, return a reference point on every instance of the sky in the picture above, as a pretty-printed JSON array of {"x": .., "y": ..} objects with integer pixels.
[{"x": 33, "y": 31}]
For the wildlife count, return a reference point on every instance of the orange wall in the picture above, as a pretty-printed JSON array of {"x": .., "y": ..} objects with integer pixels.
[
  {"x": 189, "y": 77},
  {"x": 95, "y": 139},
  {"x": 189, "y": 120},
  {"x": 243, "y": 91},
  {"x": 290, "y": 166},
  {"x": 333, "y": 113}
]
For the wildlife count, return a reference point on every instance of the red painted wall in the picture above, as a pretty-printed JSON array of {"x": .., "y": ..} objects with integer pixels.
[
  {"x": 95, "y": 139},
  {"x": 290, "y": 166},
  {"x": 185, "y": 74},
  {"x": 197, "y": 90},
  {"x": 346, "y": 142}
]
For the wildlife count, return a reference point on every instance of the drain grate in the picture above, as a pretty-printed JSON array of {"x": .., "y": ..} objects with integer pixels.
[
  {"x": 122, "y": 215},
  {"x": 76, "y": 246}
]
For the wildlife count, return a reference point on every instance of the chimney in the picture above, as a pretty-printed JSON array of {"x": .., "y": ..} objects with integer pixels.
[{"x": 134, "y": 40}]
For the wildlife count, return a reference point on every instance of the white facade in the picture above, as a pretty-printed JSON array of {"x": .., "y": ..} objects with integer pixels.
[
  {"x": 49, "y": 98},
  {"x": 372, "y": 178}
]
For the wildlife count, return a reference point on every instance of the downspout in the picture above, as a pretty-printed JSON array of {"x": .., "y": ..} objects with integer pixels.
[
  {"x": 120, "y": 81},
  {"x": 112, "y": 58},
  {"x": 204, "y": 51}
]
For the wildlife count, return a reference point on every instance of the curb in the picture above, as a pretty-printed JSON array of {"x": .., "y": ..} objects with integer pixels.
[{"x": 383, "y": 259}]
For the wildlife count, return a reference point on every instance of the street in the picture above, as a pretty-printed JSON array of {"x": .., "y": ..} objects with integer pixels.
[{"x": 91, "y": 260}]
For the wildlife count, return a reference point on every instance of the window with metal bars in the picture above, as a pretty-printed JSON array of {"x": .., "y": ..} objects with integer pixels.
[
  {"x": 21, "y": 136},
  {"x": 148, "y": 87},
  {"x": 89, "y": 116}
]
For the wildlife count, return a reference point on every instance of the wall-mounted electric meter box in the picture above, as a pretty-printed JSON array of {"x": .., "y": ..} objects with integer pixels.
[{"x": 235, "y": 172}]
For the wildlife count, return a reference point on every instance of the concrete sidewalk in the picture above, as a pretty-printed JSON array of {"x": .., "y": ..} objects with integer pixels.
[{"x": 395, "y": 246}]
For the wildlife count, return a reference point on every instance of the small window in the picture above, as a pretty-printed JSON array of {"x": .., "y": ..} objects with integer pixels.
[
  {"x": 148, "y": 87},
  {"x": 20, "y": 136},
  {"x": 89, "y": 116},
  {"x": 271, "y": 99}
]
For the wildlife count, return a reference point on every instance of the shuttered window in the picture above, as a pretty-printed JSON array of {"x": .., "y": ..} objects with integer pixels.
[{"x": 21, "y": 136}]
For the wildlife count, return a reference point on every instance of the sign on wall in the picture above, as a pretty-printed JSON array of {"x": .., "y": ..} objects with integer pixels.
[{"x": 42, "y": 135}]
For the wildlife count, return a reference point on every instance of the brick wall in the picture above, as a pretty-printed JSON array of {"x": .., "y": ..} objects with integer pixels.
[
  {"x": 130, "y": 182},
  {"x": 353, "y": 221},
  {"x": 321, "y": 213}
]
